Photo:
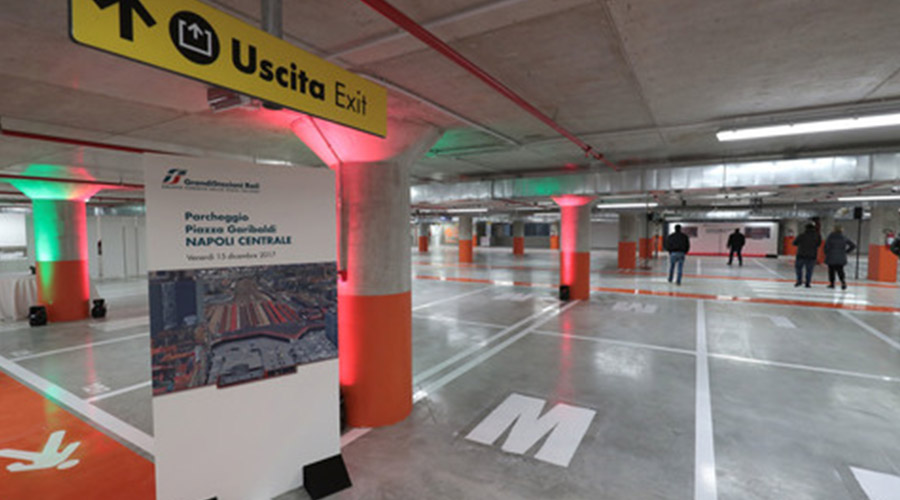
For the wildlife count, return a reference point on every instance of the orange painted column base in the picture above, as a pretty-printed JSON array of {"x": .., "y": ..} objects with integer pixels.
[
  {"x": 645, "y": 248},
  {"x": 518, "y": 245},
  {"x": 423, "y": 243},
  {"x": 375, "y": 352},
  {"x": 882, "y": 264},
  {"x": 820, "y": 256},
  {"x": 554, "y": 242},
  {"x": 575, "y": 271},
  {"x": 474, "y": 240},
  {"x": 626, "y": 255},
  {"x": 465, "y": 251},
  {"x": 64, "y": 288},
  {"x": 789, "y": 248}
]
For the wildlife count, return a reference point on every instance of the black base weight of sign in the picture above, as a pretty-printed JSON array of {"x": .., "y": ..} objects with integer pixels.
[{"x": 326, "y": 477}]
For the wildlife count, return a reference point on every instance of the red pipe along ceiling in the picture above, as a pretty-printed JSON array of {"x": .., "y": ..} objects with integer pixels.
[{"x": 418, "y": 31}]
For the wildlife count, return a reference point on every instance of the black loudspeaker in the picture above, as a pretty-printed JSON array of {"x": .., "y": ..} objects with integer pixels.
[
  {"x": 857, "y": 213},
  {"x": 565, "y": 293},
  {"x": 37, "y": 315},
  {"x": 326, "y": 477},
  {"x": 99, "y": 309}
]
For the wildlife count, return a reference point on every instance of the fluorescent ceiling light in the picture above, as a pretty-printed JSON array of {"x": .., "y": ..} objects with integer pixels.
[
  {"x": 466, "y": 210},
  {"x": 887, "y": 197},
  {"x": 813, "y": 127},
  {"x": 627, "y": 205}
]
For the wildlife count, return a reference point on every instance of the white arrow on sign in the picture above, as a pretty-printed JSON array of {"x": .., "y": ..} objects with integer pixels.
[
  {"x": 878, "y": 485},
  {"x": 48, "y": 458}
]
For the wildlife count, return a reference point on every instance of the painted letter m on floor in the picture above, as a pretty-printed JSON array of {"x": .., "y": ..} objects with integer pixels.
[{"x": 565, "y": 424}]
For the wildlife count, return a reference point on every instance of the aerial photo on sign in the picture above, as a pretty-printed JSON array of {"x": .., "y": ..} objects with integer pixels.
[
  {"x": 192, "y": 39},
  {"x": 226, "y": 326}
]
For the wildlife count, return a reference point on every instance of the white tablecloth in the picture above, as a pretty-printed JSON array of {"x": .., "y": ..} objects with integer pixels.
[{"x": 17, "y": 293}]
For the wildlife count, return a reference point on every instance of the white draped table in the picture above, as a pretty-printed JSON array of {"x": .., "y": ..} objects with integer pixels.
[{"x": 17, "y": 293}]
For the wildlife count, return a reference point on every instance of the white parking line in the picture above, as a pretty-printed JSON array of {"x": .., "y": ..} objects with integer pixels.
[
  {"x": 462, "y": 370},
  {"x": 92, "y": 413},
  {"x": 794, "y": 366},
  {"x": 419, "y": 377},
  {"x": 622, "y": 343},
  {"x": 865, "y": 326},
  {"x": 767, "y": 268},
  {"x": 705, "y": 482},
  {"x": 79, "y": 347},
  {"x": 451, "y": 298},
  {"x": 449, "y": 319},
  {"x": 112, "y": 394}
]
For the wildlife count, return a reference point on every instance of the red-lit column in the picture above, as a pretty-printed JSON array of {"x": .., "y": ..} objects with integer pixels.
[
  {"x": 628, "y": 235},
  {"x": 424, "y": 236},
  {"x": 882, "y": 263},
  {"x": 374, "y": 298},
  {"x": 575, "y": 239},
  {"x": 61, "y": 242},
  {"x": 554, "y": 236},
  {"x": 518, "y": 230},
  {"x": 465, "y": 239}
]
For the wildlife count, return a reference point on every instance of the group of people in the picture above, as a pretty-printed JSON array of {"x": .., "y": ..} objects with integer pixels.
[{"x": 836, "y": 248}]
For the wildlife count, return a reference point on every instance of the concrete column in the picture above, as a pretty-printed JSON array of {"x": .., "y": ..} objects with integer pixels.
[
  {"x": 465, "y": 238},
  {"x": 554, "y": 236},
  {"x": 424, "y": 236},
  {"x": 792, "y": 228},
  {"x": 374, "y": 299},
  {"x": 645, "y": 241},
  {"x": 882, "y": 263},
  {"x": 60, "y": 240},
  {"x": 575, "y": 254},
  {"x": 628, "y": 238},
  {"x": 518, "y": 230}
]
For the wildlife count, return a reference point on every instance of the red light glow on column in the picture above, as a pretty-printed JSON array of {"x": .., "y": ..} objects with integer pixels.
[{"x": 575, "y": 237}]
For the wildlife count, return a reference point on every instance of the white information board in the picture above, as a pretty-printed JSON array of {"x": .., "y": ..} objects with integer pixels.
[{"x": 243, "y": 313}]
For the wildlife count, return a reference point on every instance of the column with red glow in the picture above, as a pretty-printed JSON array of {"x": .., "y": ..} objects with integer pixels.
[
  {"x": 374, "y": 298},
  {"x": 465, "y": 238},
  {"x": 424, "y": 236},
  {"x": 882, "y": 263},
  {"x": 518, "y": 232},
  {"x": 61, "y": 245},
  {"x": 575, "y": 240}
]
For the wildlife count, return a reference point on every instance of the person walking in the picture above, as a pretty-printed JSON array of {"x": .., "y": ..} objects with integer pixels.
[
  {"x": 837, "y": 246},
  {"x": 678, "y": 245},
  {"x": 807, "y": 249},
  {"x": 735, "y": 243}
]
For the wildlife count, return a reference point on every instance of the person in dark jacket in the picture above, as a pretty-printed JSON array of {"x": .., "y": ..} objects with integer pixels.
[
  {"x": 807, "y": 249},
  {"x": 735, "y": 243},
  {"x": 678, "y": 245},
  {"x": 837, "y": 246}
]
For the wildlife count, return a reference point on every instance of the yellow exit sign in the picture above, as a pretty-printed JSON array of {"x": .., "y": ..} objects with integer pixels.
[{"x": 195, "y": 40}]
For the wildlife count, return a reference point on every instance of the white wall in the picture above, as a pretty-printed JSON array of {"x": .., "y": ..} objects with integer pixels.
[
  {"x": 605, "y": 235},
  {"x": 124, "y": 246},
  {"x": 12, "y": 230},
  {"x": 712, "y": 237}
]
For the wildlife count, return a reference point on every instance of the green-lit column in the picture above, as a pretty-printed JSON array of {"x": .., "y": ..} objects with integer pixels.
[{"x": 61, "y": 242}]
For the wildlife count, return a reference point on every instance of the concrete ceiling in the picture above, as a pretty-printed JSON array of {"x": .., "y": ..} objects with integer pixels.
[{"x": 648, "y": 82}]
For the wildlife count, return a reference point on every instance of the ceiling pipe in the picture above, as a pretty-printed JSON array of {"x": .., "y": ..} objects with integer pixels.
[
  {"x": 416, "y": 30},
  {"x": 271, "y": 17},
  {"x": 80, "y": 143},
  {"x": 105, "y": 185}
]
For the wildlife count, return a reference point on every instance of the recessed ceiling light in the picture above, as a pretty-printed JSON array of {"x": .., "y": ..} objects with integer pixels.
[
  {"x": 627, "y": 205},
  {"x": 887, "y": 197}
]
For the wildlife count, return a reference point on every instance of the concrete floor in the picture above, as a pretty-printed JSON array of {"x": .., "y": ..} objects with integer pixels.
[{"x": 779, "y": 391}]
